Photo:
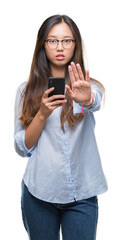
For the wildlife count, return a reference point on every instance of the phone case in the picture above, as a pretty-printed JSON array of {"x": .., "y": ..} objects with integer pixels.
[{"x": 59, "y": 85}]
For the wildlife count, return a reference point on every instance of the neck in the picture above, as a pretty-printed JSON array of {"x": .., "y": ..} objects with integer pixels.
[{"x": 58, "y": 71}]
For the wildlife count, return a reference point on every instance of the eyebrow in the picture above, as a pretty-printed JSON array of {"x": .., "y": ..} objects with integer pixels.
[{"x": 56, "y": 37}]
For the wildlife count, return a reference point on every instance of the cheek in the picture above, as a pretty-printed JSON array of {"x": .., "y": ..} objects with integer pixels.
[
  {"x": 70, "y": 55},
  {"x": 50, "y": 57},
  {"x": 48, "y": 53}
]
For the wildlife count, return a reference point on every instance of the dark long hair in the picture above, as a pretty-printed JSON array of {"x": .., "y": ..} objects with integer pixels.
[{"x": 40, "y": 72}]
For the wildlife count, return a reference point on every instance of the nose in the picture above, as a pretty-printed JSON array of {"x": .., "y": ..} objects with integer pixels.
[{"x": 59, "y": 46}]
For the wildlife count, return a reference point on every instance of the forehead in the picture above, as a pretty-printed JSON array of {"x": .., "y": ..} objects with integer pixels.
[{"x": 60, "y": 30}]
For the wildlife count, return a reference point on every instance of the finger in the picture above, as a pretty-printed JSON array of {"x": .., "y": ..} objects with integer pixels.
[
  {"x": 54, "y": 107},
  {"x": 87, "y": 76},
  {"x": 80, "y": 72},
  {"x": 75, "y": 72},
  {"x": 58, "y": 102},
  {"x": 71, "y": 74},
  {"x": 45, "y": 95},
  {"x": 52, "y": 98}
]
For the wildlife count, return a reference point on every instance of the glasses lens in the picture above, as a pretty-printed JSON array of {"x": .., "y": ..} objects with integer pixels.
[
  {"x": 52, "y": 43},
  {"x": 67, "y": 43}
]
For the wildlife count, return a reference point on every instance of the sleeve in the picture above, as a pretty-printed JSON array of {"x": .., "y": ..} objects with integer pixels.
[
  {"x": 98, "y": 92},
  {"x": 19, "y": 130}
]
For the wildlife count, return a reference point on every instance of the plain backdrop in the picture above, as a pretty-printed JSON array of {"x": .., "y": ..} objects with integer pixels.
[{"x": 99, "y": 22}]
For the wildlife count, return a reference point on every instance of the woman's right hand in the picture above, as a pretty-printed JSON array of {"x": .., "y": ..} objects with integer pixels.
[{"x": 48, "y": 105}]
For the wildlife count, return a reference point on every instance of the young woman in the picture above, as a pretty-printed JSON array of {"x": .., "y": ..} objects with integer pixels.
[{"x": 64, "y": 173}]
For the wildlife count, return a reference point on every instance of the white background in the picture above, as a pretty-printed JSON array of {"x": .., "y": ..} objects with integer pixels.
[{"x": 100, "y": 26}]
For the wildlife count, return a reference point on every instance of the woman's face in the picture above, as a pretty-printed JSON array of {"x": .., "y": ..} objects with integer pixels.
[{"x": 59, "y": 55}]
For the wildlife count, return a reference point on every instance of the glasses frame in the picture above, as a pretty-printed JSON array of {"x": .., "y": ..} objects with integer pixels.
[{"x": 57, "y": 41}]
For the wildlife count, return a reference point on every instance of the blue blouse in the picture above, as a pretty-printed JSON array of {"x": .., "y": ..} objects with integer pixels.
[{"x": 63, "y": 166}]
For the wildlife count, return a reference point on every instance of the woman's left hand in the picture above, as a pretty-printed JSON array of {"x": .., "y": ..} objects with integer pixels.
[{"x": 81, "y": 88}]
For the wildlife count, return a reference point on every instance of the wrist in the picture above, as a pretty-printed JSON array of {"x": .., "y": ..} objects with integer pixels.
[
  {"x": 41, "y": 116},
  {"x": 91, "y": 102}
]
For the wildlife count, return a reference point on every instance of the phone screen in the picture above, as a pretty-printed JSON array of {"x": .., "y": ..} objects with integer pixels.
[{"x": 59, "y": 85}]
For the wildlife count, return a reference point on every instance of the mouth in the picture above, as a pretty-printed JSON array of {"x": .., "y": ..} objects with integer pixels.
[{"x": 60, "y": 57}]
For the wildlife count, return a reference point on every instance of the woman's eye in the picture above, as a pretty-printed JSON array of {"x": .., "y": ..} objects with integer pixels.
[
  {"x": 52, "y": 40},
  {"x": 67, "y": 40}
]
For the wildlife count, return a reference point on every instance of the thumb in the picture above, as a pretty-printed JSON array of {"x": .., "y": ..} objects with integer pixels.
[{"x": 69, "y": 91}]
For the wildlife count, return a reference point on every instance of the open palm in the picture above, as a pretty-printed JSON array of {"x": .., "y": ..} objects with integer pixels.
[{"x": 81, "y": 88}]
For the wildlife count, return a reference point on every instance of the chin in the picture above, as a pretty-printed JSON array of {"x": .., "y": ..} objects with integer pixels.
[{"x": 61, "y": 63}]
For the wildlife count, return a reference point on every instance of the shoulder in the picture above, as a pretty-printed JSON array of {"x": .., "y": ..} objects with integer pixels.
[
  {"x": 20, "y": 92},
  {"x": 96, "y": 83},
  {"x": 21, "y": 88}
]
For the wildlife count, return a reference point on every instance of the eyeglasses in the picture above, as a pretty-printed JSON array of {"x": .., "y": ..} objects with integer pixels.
[{"x": 66, "y": 43}]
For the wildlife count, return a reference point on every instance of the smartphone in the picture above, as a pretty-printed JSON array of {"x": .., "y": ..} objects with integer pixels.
[{"x": 59, "y": 86}]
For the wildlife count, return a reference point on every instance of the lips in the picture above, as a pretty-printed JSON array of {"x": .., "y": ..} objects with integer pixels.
[{"x": 60, "y": 57}]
